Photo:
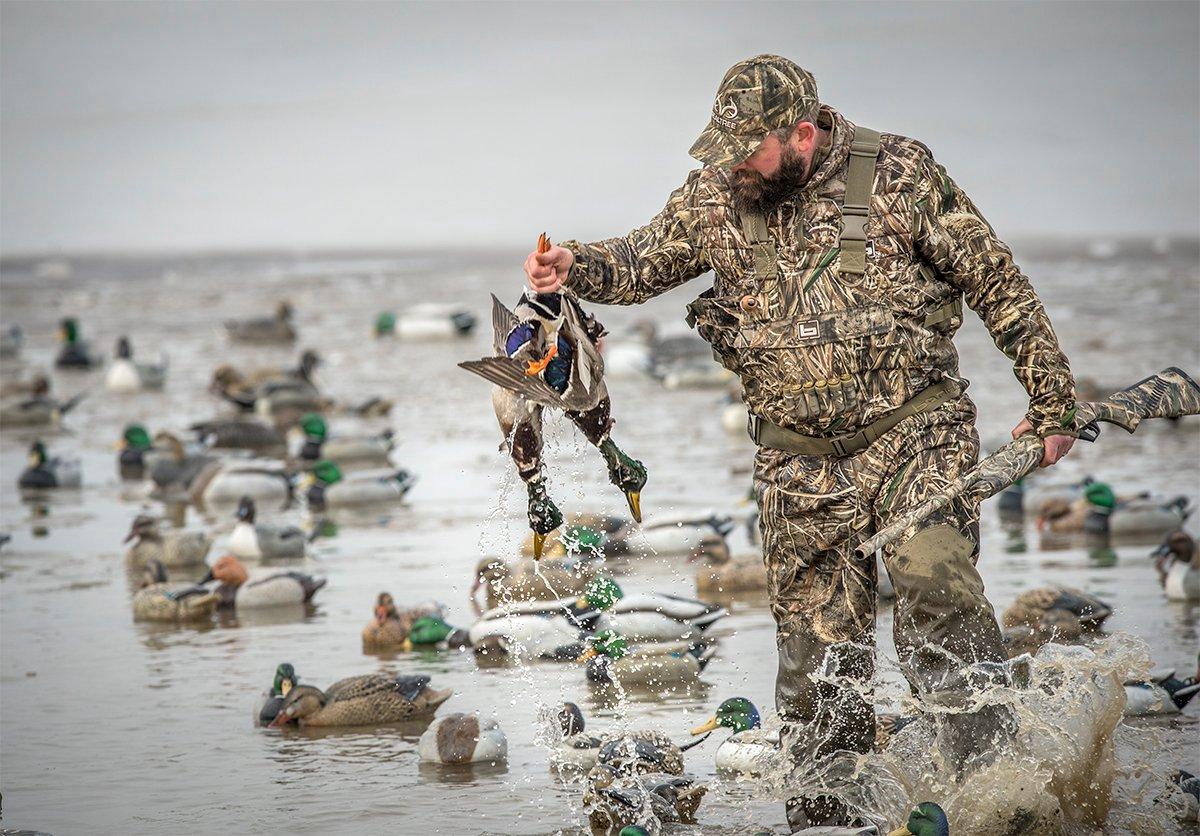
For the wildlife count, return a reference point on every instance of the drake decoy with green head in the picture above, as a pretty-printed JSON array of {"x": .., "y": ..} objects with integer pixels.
[
  {"x": 272, "y": 699},
  {"x": 463, "y": 738},
  {"x": 611, "y": 660},
  {"x": 1163, "y": 693},
  {"x": 370, "y": 700},
  {"x": 73, "y": 352},
  {"x": 426, "y": 321},
  {"x": 748, "y": 750},
  {"x": 160, "y": 600},
  {"x": 174, "y": 548},
  {"x": 252, "y": 541},
  {"x": 1178, "y": 563},
  {"x": 1100, "y": 512},
  {"x": 39, "y": 409},
  {"x": 926, "y": 819},
  {"x": 273, "y": 329},
  {"x": 44, "y": 472},
  {"x": 546, "y": 357},
  {"x": 325, "y": 487},
  {"x": 125, "y": 375},
  {"x": 356, "y": 451},
  {"x": 422, "y": 627},
  {"x": 132, "y": 451},
  {"x": 647, "y": 616}
]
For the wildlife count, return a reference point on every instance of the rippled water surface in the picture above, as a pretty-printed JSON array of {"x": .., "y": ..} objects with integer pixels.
[{"x": 107, "y": 725}]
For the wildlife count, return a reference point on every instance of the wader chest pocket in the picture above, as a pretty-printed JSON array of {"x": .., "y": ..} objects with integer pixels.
[{"x": 815, "y": 329}]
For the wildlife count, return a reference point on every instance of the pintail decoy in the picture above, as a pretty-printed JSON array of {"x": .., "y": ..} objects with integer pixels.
[
  {"x": 251, "y": 541},
  {"x": 546, "y": 357},
  {"x": 370, "y": 700},
  {"x": 39, "y": 409},
  {"x": 1178, "y": 562},
  {"x": 125, "y": 376}
]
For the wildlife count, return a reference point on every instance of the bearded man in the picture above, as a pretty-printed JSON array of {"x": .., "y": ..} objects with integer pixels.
[{"x": 841, "y": 260}]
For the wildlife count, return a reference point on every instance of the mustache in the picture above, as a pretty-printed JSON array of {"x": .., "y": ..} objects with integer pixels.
[{"x": 753, "y": 192}]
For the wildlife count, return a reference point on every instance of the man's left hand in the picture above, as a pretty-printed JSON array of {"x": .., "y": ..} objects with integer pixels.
[{"x": 1054, "y": 447}]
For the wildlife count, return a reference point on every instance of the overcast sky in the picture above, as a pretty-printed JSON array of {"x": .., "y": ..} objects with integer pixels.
[{"x": 159, "y": 126}]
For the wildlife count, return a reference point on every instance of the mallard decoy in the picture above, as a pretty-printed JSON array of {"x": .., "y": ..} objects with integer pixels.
[
  {"x": 419, "y": 627},
  {"x": 133, "y": 448},
  {"x": 361, "y": 451},
  {"x": 748, "y": 750},
  {"x": 582, "y": 533},
  {"x": 226, "y": 483},
  {"x": 577, "y": 749},
  {"x": 548, "y": 579},
  {"x": 176, "y": 468},
  {"x": 610, "y": 660},
  {"x": 720, "y": 573},
  {"x": 11, "y": 341},
  {"x": 369, "y": 700},
  {"x": 1054, "y": 625},
  {"x": 647, "y": 616},
  {"x": 275, "y": 329},
  {"x": 263, "y": 542},
  {"x": 173, "y": 548},
  {"x": 159, "y": 600},
  {"x": 236, "y": 587},
  {"x": 546, "y": 356},
  {"x": 124, "y": 375},
  {"x": 325, "y": 487},
  {"x": 240, "y": 434},
  {"x": 1031, "y": 607},
  {"x": 426, "y": 321},
  {"x": 926, "y": 819},
  {"x": 669, "y": 534},
  {"x": 531, "y": 628},
  {"x": 272, "y": 699},
  {"x": 1163, "y": 693},
  {"x": 73, "y": 352},
  {"x": 1189, "y": 786},
  {"x": 463, "y": 738},
  {"x": 630, "y": 804},
  {"x": 45, "y": 472},
  {"x": 273, "y": 393},
  {"x": 1100, "y": 512},
  {"x": 39, "y": 409},
  {"x": 1178, "y": 562}
]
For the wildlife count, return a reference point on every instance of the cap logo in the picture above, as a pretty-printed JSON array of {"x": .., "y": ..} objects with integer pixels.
[{"x": 725, "y": 114}]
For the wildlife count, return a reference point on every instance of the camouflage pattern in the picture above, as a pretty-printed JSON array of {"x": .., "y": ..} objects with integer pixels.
[
  {"x": 1169, "y": 394},
  {"x": 790, "y": 337},
  {"x": 757, "y": 96}
]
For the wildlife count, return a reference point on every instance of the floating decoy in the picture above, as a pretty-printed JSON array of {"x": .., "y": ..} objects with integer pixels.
[
  {"x": 73, "y": 352},
  {"x": 11, "y": 341},
  {"x": 239, "y": 434},
  {"x": 610, "y": 660},
  {"x": 548, "y": 579},
  {"x": 748, "y": 750},
  {"x": 1054, "y": 625},
  {"x": 361, "y": 451},
  {"x": 1178, "y": 561},
  {"x": 582, "y": 533},
  {"x": 251, "y": 541},
  {"x": 236, "y": 587},
  {"x": 45, "y": 472},
  {"x": 546, "y": 357},
  {"x": 577, "y": 749},
  {"x": 647, "y": 616},
  {"x": 669, "y": 534},
  {"x": 1189, "y": 785},
  {"x": 531, "y": 628},
  {"x": 463, "y": 738},
  {"x": 1100, "y": 512},
  {"x": 1163, "y": 693},
  {"x": 1031, "y": 607},
  {"x": 160, "y": 600},
  {"x": 176, "y": 468},
  {"x": 720, "y": 573},
  {"x": 173, "y": 548},
  {"x": 275, "y": 329},
  {"x": 419, "y": 627},
  {"x": 38, "y": 409},
  {"x": 370, "y": 700},
  {"x": 124, "y": 375},
  {"x": 272, "y": 699},
  {"x": 639, "y": 779},
  {"x": 426, "y": 321},
  {"x": 226, "y": 483},
  {"x": 325, "y": 487}
]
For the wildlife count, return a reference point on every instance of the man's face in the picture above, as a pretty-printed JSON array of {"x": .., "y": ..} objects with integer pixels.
[{"x": 769, "y": 175}]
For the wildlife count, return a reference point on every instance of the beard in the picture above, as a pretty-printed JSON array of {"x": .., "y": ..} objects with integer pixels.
[{"x": 751, "y": 192}]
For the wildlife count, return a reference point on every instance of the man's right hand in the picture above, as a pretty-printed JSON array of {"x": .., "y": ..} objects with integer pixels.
[{"x": 548, "y": 270}]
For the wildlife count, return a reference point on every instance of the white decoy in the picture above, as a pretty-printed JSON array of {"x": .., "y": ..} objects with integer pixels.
[
  {"x": 748, "y": 750},
  {"x": 125, "y": 376},
  {"x": 1162, "y": 693},
  {"x": 647, "y": 616},
  {"x": 263, "y": 542}
]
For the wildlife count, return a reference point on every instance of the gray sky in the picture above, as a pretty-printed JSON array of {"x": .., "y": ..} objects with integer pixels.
[{"x": 157, "y": 126}]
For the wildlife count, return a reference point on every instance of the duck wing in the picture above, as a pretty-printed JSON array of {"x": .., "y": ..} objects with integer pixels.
[
  {"x": 508, "y": 373},
  {"x": 503, "y": 321}
]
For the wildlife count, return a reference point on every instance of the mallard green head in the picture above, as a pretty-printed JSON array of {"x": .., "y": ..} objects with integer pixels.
[
  {"x": 634, "y": 830},
  {"x": 1100, "y": 495},
  {"x": 68, "y": 330},
  {"x": 432, "y": 630},
  {"x": 605, "y": 643},
  {"x": 736, "y": 713},
  {"x": 581, "y": 540},
  {"x": 285, "y": 680},
  {"x": 136, "y": 437},
  {"x": 326, "y": 472},
  {"x": 37, "y": 454},
  {"x": 385, "y": 323},
  {"x": 601, "y": 593},
  {"x": 313, "y": 426},
  {"x": 926, "y": 819}
]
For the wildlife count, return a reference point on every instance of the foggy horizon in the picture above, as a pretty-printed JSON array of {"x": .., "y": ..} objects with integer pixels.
[{"x": 165, "y": 128}]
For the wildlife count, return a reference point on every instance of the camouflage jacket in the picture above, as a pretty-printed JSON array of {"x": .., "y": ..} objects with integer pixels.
[{"x": 824, "y": 352}]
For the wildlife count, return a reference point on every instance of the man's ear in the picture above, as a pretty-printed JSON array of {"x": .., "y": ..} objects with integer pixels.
[{"x": 804, "y": 136}]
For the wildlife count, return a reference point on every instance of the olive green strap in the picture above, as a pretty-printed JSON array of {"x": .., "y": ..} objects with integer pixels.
[
  {"x": 754, "y": 227},
  {"x": 949, "y": 311},
  {"x": 860, "y": 177}
]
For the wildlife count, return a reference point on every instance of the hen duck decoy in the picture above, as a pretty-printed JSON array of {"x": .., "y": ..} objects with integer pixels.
[
  {"x": 1163, "y": 693},
  {"x": 419, "y": 627},
  {"x": 176, "y": 468},
  {"x": 263, "y": 542},
  {"x": 546, "y": 357},
  {"x": 272, "y": 699},
  {"x": 237, "y": 587},
  {"x": 1178, "y": 562},
  {"x": 312, "y": 435},
  {"x": 370, "y": 700},
  {"x": 639, "y": 779},
  {"x": 720, "y": 573},
  {"x": 172, "y": 548},
  {"x": 611, "y": 661},
  {"x": 274, "y": 329},
  {"x": 125, "y": 376},
  {"x": 1031, "y": 607},
  {"x": 73, "y": 352},
  {"x": 160, "y": 600},
  {"x": 325, "y": 487},
  {"x": 44, "y": 472},
  {"x": 647, "y": 616},
  {"x": 748, "y": 750},
  {"x": 463, "y": 738}
]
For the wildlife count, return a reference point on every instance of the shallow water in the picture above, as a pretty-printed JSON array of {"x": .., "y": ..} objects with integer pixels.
[{"x": 111, "y": 726}]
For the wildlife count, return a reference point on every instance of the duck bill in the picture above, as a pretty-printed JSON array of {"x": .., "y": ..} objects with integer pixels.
[
  {"x": 285, "y": 686},
  {"x": 901, "y": 831},
  {"x": 539, "y": 544},
  {"x": 635, "y": 504},
  {"x": 279, "y": 722},
  {"x": 587, "y": 654},
  {"x": 711, "y": 725}
]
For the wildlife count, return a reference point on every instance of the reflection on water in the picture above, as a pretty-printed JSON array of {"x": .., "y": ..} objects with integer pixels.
[{"x": 114, "y": 726}]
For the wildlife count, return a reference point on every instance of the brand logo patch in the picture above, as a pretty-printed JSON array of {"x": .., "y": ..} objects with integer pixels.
[
  {"x": 810, "y": 328},
  {"x": 725, "y": 114}
]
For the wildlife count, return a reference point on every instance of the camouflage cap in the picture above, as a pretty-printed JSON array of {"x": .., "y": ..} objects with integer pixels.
[{"x": 757, "y": 96}]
